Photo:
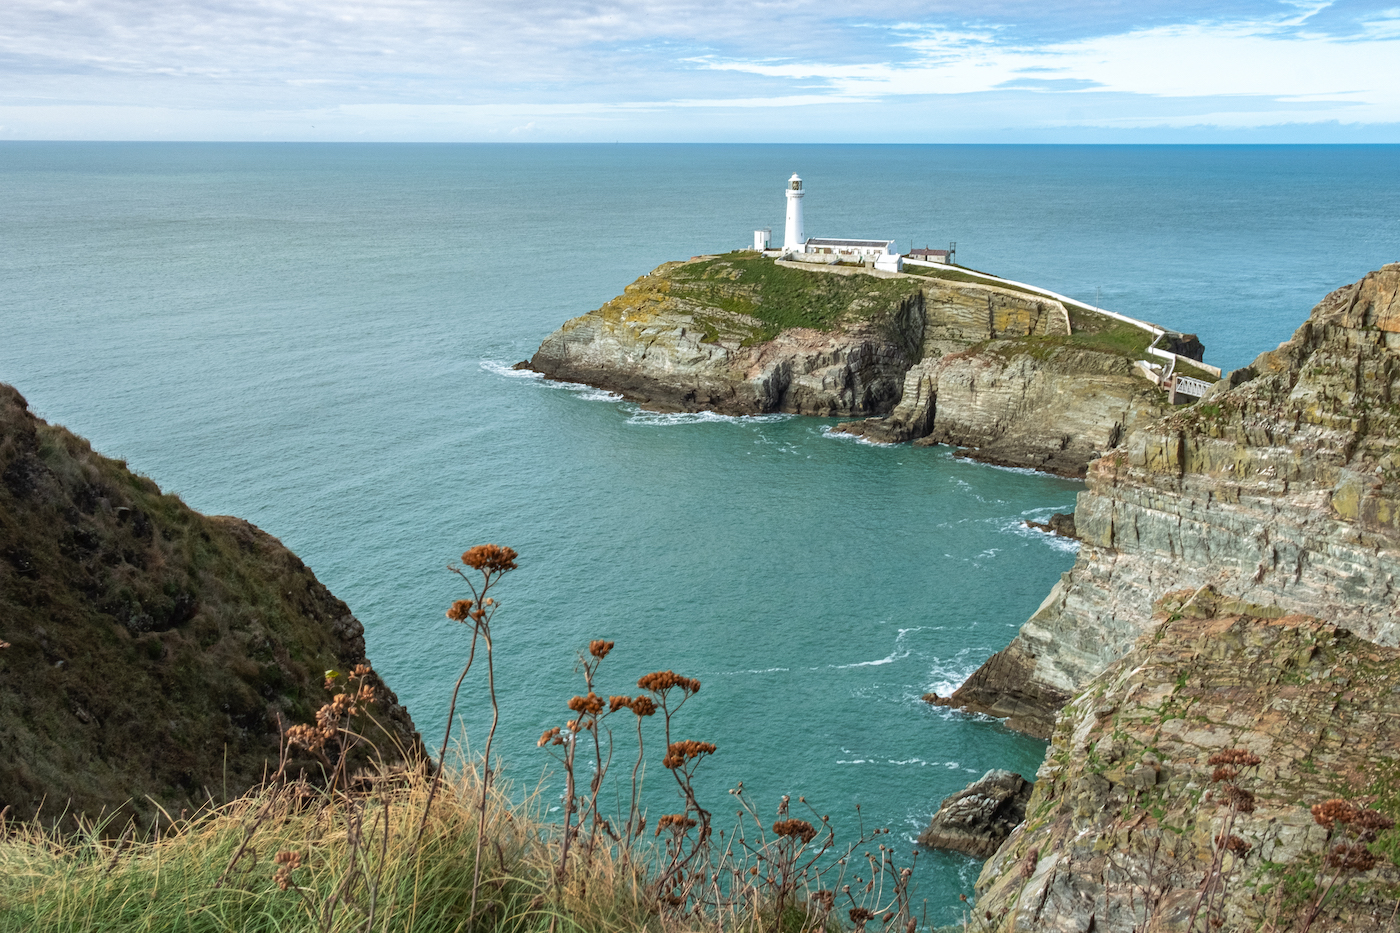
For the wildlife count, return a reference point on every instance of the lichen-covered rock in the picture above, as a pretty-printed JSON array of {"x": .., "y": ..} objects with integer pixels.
[
  {"x": 152, "y": 655},
  {"x": 976, "y": 820},
  {"x": 1281, "y": 487},
  {"x": 740, "y": 334},
  {"x": 1123, "y": 827},
  {"x": 1052, "y": 408}
]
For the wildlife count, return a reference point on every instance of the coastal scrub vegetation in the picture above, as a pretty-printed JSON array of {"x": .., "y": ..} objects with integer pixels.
[
  {"x": 152, "y": 649},
  {"x": 426, "y": 849}
]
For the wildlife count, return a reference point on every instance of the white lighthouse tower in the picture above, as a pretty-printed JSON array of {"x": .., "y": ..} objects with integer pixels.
[{"x": 792, "y": 236}]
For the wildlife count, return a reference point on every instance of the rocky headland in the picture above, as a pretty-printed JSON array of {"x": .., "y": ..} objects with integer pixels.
[
  {"x": 1135, "y": 825},
  {"x": 1013, "y": 376},
  {"x": 1280, "y": 488},
  {"x": 149, "y": 655}
]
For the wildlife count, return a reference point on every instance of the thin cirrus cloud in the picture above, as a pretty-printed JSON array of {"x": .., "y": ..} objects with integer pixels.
[{"x": 683, "y": 69}]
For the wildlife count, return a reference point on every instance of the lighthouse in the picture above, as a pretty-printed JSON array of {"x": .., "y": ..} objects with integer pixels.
[{"x": 792, "y": 236}]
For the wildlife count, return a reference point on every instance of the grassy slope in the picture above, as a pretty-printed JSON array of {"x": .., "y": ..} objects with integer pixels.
[
  {"x": 152, "y": 648},
  {"x": 745, "y": 283},
  {"x": 783, "y": 298},
  {"x": 1090, "y": 331}
]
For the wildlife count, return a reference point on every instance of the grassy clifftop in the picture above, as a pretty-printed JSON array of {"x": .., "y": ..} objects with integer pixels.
[
  {"x": 150, "y": 650},
  {"x": 780, "y": 297}
]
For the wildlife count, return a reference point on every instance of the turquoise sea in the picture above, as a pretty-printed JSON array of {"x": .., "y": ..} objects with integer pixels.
[{"x": 318, "y": 338}]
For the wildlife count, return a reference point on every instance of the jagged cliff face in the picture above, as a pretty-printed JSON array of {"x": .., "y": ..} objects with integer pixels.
[
  {"x": 1053, "y": 408},
  {"x": 745, "y": 336},
  {"x": 1120, "y": 830},
  {"x": 1279, "y": 488},
  {"x": 151, "y": 650}
]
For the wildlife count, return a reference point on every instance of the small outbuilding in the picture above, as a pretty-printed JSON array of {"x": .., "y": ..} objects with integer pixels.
[{"x": 933, "y": 255}]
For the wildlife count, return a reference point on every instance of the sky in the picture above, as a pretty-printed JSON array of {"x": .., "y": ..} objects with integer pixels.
[{"x": 713, "y": 71}]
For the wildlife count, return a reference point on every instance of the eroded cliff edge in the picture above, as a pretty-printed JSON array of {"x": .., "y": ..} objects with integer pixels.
[
  {"x": 1281, "y": 487},
  {"x": 1129, "y": 810},
  {"x": 1013, "y": 376},
  {"x": 151, "y": 654}
]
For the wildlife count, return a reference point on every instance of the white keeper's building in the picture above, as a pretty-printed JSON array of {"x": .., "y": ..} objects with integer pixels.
[{"x": 879, "y": 253}]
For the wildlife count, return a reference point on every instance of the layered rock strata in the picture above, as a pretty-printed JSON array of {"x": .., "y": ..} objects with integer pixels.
[
  {"x": 1052, "y": 408},
  {"x": 150, "y": 656},
  {"x": 1129, "y": 813},
  {"x": 978, "y": 819},
  {"x": 1281, "y": 487},
  {"x": 740, "y": 335}
]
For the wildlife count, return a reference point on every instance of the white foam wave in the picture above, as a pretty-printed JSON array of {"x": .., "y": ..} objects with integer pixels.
[
  {"x": 591, "y": 394},
  {"x": 671, "y": 418},
  {"x": 1020, "y": 529},
  {"x": 828, "y": 432},
  {"x": 899, "y": 653},
  {"x": 947, "y": 675},
  {"x": 585, "y": 392},
  {"x": 498, "y": 368},
  {"x": 903, "y": 762},
  {"x": 756, "y": 670}
]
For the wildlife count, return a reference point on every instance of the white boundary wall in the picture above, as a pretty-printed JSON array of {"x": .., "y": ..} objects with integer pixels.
[{"x": 1153, "y": 329}]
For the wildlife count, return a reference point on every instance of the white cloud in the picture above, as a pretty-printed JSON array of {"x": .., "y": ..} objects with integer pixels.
[{"x": 567, "y": 68}]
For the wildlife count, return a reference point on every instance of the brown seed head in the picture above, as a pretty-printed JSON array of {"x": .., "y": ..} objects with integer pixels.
[
  {"x": 599, "y": 648},
  {"x": 617, "y": 703},
  {"x": 590, "y": 704},
  {"x": 800, "y": 829},
  {"x": 460, "y": 610},
  {"x": 549, "y": 735},
  {"x": 1225, "y": 773},
  {"x": 1330, "y": 812},
  {"x": 678, "y": 753},
  {"x": 676, "y": 822},
  {"x": 661, "y": 681},
  {"x": 1371, "y": 823},
  {"x": 1352, "y": 856},
  {"x": 1239, "y": 798},
  {"x": 643, "y": 706},
  {"x": 1241, "y": 757},
  {"x": 490, "y": 558},
  {"x": 1237, "y": 845}
]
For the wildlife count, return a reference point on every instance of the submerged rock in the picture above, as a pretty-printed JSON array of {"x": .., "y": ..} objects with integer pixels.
[
  {"x": 1061, "y": 523},
  {"x": 977, "y": 819}
]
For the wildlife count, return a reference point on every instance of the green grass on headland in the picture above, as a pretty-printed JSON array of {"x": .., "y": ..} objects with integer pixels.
[{"x": 744, "y": 282}]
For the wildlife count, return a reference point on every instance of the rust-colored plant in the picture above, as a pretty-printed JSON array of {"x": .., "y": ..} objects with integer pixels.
[
  {"x": 1354, "y": 827},
  {"x": 490, "y": 562}
]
